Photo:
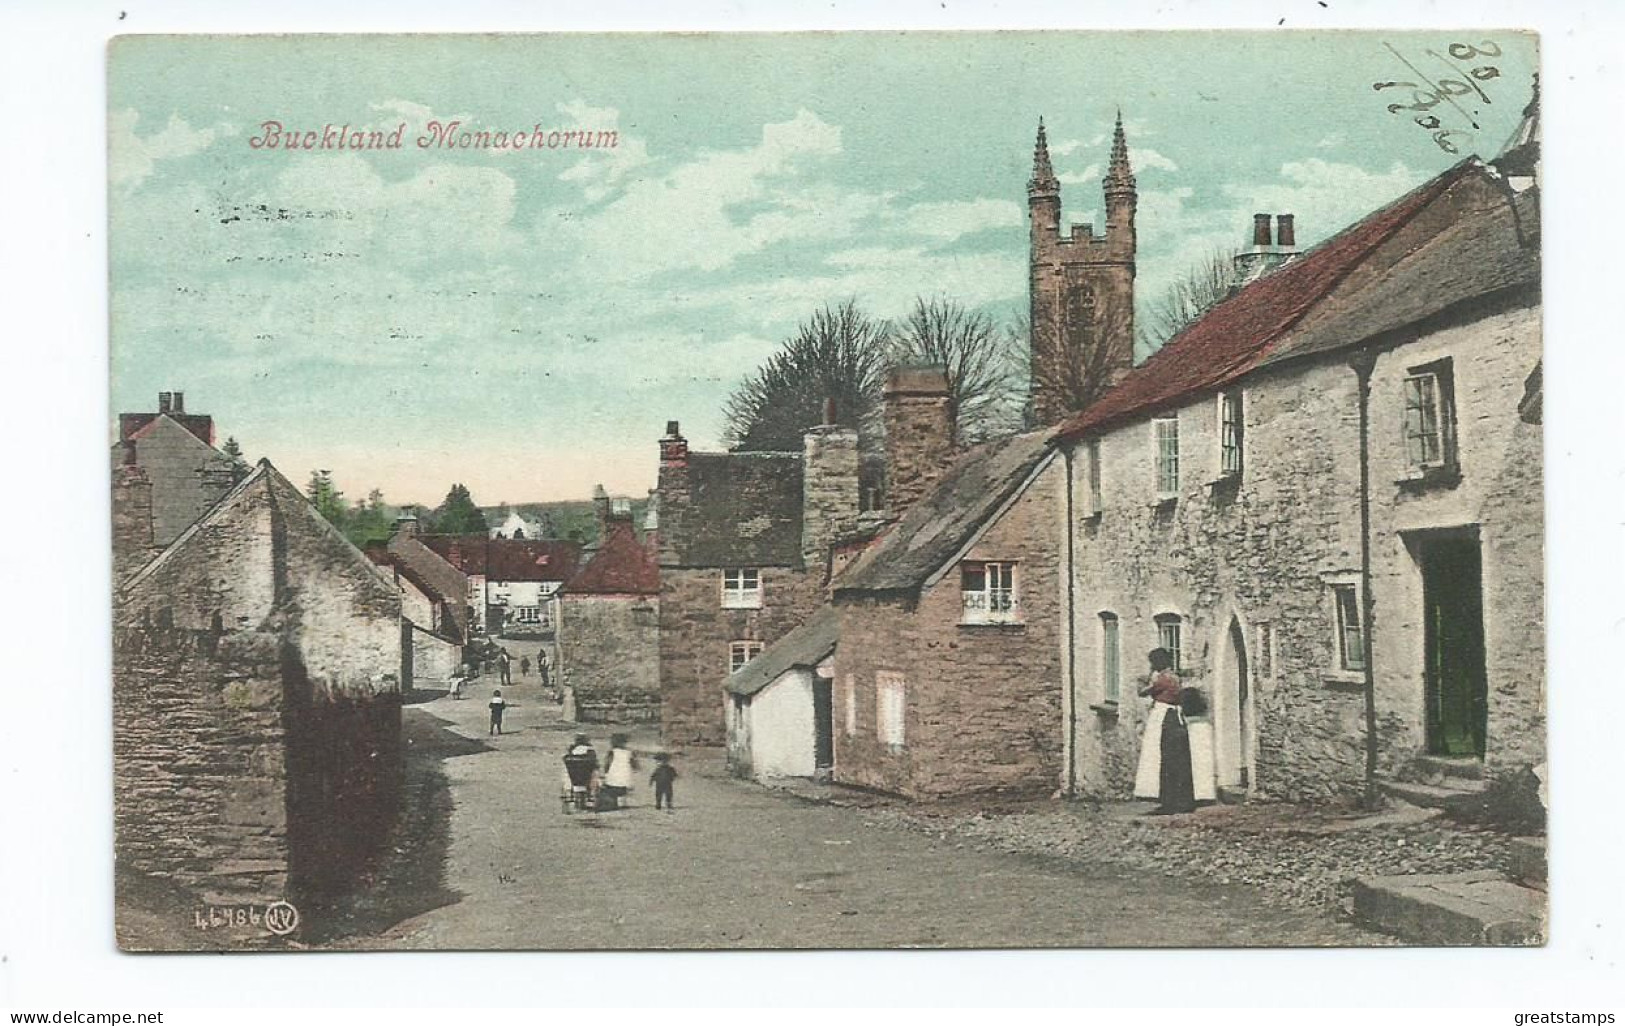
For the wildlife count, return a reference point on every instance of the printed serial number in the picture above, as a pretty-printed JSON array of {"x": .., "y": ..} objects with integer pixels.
[{"x": 279, "y": 917}]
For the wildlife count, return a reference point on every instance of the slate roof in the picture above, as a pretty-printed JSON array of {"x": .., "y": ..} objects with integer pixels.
[
  {"x": 507, "y": 559},
  {"x": 1241, "y": 331},
  {"x": 135, "y": 425},
  {"x": 945, "y": 519},
  {"x": 744, "y": 509},
  {"x": 621, "y": 566},
  {"x": 1487, "y": 250},
  {"x": 433, "y": 576},
  {"x": 803, "y": 648}
]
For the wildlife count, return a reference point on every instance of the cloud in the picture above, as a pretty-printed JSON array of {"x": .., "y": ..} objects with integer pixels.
[
  {"x": 951, "y": 220},
  {"x": 1325, "y": 196},
  {"x": 132, "y": 157}
]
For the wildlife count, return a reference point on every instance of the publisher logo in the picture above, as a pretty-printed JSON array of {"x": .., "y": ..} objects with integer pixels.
[{"x": 281, "y": 918}]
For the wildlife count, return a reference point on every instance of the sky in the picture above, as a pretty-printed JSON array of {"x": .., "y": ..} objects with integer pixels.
[{"x": 526, "y": 321}]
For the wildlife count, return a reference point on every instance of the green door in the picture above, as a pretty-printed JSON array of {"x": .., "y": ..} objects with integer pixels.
[{"x": 1457, "y": 692}]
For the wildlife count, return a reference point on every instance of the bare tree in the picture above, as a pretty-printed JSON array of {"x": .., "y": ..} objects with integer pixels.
[
  {"x": 839, "y": 353},
  {"x": 1191, "y": 296},
  {"x": 974, "y": 352},
  {"x": 1085, "y": 373}
]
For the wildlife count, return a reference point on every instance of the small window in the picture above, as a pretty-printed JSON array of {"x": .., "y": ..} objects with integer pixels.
[
  {"x": 1170, "y": 636},
  {"x": 742, "y": 589},
  {"x": 851, "y": 705},
  {"x": 988, "y": 593},
  {"x": 1350, "y": 631},
  {"x": 1111, "y": 658},
  {"x": 890, "y": 703},
  {"x": 1166, "y": 430},
  {"x": 1231, "y": 428},
  {"x": 1430, "y": 418},
  {"x": 742, "y": 652},
  {"x": 530, "y": 615}
]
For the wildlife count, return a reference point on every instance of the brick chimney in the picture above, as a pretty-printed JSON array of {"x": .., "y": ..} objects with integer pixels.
[
  {"x": 672, "y": 491},
  {"x": 673, "y": 447},
  {"x": 164, "y": 399},
  {"x": 600, "y": 512},
  {"x": 1268, "y": 251},
  {"x": 1261, "y": 229},
  {"x": 1285, "y": 238},
  {"x": 178, "y": 403},
  {"x": 919, "y": 433},
  {"x": 829, "y": 487}
]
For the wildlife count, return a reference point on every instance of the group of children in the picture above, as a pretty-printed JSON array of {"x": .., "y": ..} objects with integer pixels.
[{"x": 586, "y": 785}]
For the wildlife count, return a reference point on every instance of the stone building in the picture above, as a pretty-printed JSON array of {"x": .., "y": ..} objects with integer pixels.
[
  {"x": 947, "y": 675},
  {"x": 435, "y": 613},
  {"x": 609, "y": 628},
  {"x": 1081, "y": 287},
  {"x": 166, "y": 473},
  {"x": 257, "y": 745},
  {"x": 1323, "y": 498},
  {"x": 513, "y": 583},
  {"x": 780, "y": 705},
  {"x": 744, "y": 541}
]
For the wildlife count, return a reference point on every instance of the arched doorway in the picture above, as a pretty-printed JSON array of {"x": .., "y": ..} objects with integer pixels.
[{"x": 1233, "y": 713}]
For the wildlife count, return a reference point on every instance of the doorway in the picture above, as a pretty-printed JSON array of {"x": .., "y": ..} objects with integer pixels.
[
  {"x": 1233, "y": 713},
  {"x": 823, "y": 725},
  {"x": 1457, "y": 695}
]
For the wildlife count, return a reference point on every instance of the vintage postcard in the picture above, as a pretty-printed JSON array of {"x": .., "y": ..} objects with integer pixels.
[{"x": 848, "y": 490}]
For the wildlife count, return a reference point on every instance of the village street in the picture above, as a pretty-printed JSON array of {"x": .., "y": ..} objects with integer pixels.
[{"x": 737, "y": 865}]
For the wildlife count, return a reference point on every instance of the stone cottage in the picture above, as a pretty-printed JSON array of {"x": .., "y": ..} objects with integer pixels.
[
  {"x": 1322, "y": 497},
  {"x": 257, "y": 721},
  {"x": 609, "y": 628},
  {"x": 948, "y": 672},
  {"x": 434, "y": 606},
  {"x": 744, "y": 543}
]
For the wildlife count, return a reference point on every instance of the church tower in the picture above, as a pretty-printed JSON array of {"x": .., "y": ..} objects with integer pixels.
[{"x": 1081, "y": 286}]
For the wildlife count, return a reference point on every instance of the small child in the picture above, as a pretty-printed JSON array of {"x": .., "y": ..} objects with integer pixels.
[
  {"x": 498, "y": 704},
  {"x": 661, "y": 778}
]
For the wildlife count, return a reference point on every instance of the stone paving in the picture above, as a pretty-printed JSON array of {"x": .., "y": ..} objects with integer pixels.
[{"x": 490, "y": 860}]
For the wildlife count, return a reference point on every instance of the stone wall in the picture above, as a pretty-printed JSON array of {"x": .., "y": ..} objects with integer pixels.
[
  {"x": 609, "y": 653},
  {"x": 1257, "y": 560},
  {"x": 695, "y": 632},
  {"x": 188, "y": 476},
  {"x": 983, "y": 702}
]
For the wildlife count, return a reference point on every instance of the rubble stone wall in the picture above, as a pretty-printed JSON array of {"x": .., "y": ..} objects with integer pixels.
[{"x": 609, "y": 649}]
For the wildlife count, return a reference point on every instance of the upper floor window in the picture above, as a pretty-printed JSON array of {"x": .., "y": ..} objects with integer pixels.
[
  {"x": 1166, "y": 433},
  {"x": 1111, "y": 658},
  {"x": 742, "y": 589},
  {"x": 1430, "y": 418},
  {"x": 1230, "y": 434},
  {"x": 988, "y": 592},
  {"x": 1350, "y": 631},
  {"x": 742, "y": 652},
  {"x": 1170, "y": 635}
]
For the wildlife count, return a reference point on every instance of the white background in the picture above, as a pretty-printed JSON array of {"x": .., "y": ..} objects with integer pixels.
[{"x": 56, "y": 943}]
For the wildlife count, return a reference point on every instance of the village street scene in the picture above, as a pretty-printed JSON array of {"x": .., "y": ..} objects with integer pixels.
[{"x": 1111, "y": 584}]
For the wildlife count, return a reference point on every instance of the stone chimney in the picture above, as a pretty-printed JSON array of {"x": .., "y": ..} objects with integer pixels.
[
  {"x": 132, "y": 518},
  {"x": 407, "y": 527},
  {"x": 829, "y": 487},
  {"x": 1268, "y": 251},
  {"x": 178, "y": 403},
  {"x": 919, "y": 433},
  {"x": 164, "y": 400},
  {"x": 673, "y": 490},
  {"x": 601, "y": 512}
]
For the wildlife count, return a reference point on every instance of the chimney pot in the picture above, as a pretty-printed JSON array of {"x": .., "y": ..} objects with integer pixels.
[
  {"x": 1261, "y": 229},
  {"x": 1285, "y": 237},
  {"x": 178, "y": 403},
  {"x": 163, "y": 401},
  {"x": 671, "y": 429}
]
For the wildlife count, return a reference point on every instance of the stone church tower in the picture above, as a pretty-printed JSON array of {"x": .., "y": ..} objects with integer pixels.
[{"x": 1081, "y": 288}]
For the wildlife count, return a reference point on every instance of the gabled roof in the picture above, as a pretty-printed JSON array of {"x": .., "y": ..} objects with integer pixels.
[
  {"x": 743, "y": 509},
  {"x": 433, "y": 576},
  {"x": 507, "y": 559},
  {"x": 621, "y": 566},
  {"x": 1486, "y": 250},
  {"x": 937, "y": 527},
  {"x": 803, "y": 648},
  {"x": 136, "y": 425},
  {"x": 1241, "y": 331}
]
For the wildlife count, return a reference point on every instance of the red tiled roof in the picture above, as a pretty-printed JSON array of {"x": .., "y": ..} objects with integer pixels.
[
  {"x": 137, "y": 425},
  {"x": 1237, "y": 334},
  {"x": 507, "y": 559},
  {"x": 621, "y": 566}
]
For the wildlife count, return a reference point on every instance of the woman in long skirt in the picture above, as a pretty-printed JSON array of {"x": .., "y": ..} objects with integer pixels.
[
  {"x": 1164, "y": 691},
  {"x": 1178, "y": 790}
]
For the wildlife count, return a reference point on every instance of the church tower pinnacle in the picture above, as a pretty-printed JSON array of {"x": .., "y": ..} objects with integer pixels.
[{"x": 1081, "y": 287}]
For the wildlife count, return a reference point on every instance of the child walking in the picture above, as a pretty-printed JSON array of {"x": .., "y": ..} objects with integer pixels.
[
  {"x": 498, "y": 704},
  {"x": 661, "y": 778}
]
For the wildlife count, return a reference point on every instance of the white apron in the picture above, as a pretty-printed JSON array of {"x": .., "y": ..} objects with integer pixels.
[
  {"x": 1148, "y": 779},
  {"x": 1204, "y": 770}
]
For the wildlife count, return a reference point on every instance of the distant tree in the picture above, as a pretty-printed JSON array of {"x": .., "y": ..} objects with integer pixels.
[
  {"x": 369, "y": 521},
  {"x": 976, "y": 355},
  {"x": 1190, "y": 297},
  {"x": 838, "y": 353},
  {"x": 239, "y": 465},
  {"x": 326, "y": 497},
  {"x": 458, "y": 514}
]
